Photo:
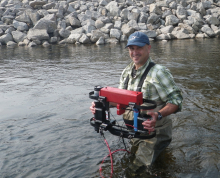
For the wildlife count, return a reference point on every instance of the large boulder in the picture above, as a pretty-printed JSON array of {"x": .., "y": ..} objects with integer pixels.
[
  {"x": 18, "y": 36},
  {"x": 48, "y": 25},
  {"x": 4, "y": 39},
  {"x": 74, "y": 37},
  {"x": 115, "y": 33},
  {"x": 37, "y": 34},
  {"x": 207, "y": 30},
  {"x": 113, "y": 8},
  {"x": 127, "y": 30},
  {"x": 171, "y": 20},
  {"x": 21, "y": 26}
]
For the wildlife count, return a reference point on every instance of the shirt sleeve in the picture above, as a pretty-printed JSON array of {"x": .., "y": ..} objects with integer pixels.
[{"x": 167, "y": 89}]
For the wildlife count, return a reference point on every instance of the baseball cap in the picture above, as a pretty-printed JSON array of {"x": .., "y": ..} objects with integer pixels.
[{"x": 138, "y": 39}]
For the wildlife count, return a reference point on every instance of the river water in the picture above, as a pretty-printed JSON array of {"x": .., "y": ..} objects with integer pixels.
[{"x": 44, "y": 111}]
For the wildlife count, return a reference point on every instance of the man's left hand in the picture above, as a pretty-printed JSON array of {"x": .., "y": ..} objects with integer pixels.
[{"x": 150, "y": 124}]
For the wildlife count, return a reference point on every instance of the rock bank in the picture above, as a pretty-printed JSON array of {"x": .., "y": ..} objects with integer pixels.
[{"x": 46, "y": 22}]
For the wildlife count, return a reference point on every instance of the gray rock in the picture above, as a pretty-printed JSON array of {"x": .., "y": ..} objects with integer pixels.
[
  {"x": 45, "y": 24},
  {"x": 37, "y": 4},
  {"x": 162, "y": 3},
  {"x": 89, "y": 28},
  {"x": 64, "y": 33},
  {"x": 18, "y": 36},
  {"x": 171, "y": 20},
  {"x": 11, "y": 43},
  {"x": 32, "y": 44},
  {"x": 134, "y": 15},
  {"x": 173, "y": 5},
  {"x": 163, "y": 37},
  {"x": 42, "y": 12},
  {"x": 126, "y": 30},
  {"x": 111, "y": 41},
  {"x": 133, "y": 24},
  {"x": 21, "y": 26},
  {"x": 105, "y": 30},
  {"x": 149, "y": 33},
  {"x": 74, "y": 37},
  {"x": 102, "y": 3},
  {"x": 37, "y": 34},
  {"x": 7, "y": 19},
  {"x": 49, "y": 5},
  {"x": 21, "y": 44},
  {"x": 181, "y": 12},
  {"x": 153, "y": 18},
  {"x": 167, "y": 29},
  {"x": 74, "y": 22},
  {"x": 88, "y": 22},
  {"x": 115, "y": 33},
  {"x": 142, "y": 26},
  {"x": 34, "y": 16},
  {"x": 4, "y": 39},
  {"x": 1, "y": 32},
  {"x": 187, "y": 27},
  {"x": 24, "y": 17},
  {"x": 78, "y": 30},
  {"x": 9, "y": 30},
  {"x": 61, "y": 24},
  {"x": 45, "y": 44},
  {"x": 3, "y": 3},
  {"x": 84, "y": 39},
  {"x": 26, "y": 41},
  {"x": 207, "y": 30},
  {"x": 124, "y": 14},
  {"x": 113, "y": 8},
  {"x": 118, "y": 24},
  {"x": 180, "y": 33},
  {"x": 200, "y": 35},
  {"x": 100, "y": 41},
  {"x": 99, "y": 24},
  {"x": 93, "y": 14},
  {"x": 212, "y": 20},
  {"x": 95, "y": 35},
  {"x": 166, "y": 13},
  {"x": 53, "y": 40},
  {"x": 123, "y": 38},
  {"x": 83, "y": 17},
  {"x": 143, "y": 18},
  {"x": 155, "y": 9}
]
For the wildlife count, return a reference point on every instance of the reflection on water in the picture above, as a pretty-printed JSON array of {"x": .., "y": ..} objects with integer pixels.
[{"x": 44, "y": 110}]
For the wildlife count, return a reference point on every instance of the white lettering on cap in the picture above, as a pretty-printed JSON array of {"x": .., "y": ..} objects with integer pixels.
[{"x": 134, "y": 37}]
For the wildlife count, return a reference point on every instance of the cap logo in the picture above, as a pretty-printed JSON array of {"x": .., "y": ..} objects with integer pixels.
[{"x": 134, "y": 37}]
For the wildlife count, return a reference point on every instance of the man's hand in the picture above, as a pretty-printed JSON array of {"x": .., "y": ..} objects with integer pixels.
[
  {"x": 150, "y": 124},
  {"x": 92, "y": 107}
]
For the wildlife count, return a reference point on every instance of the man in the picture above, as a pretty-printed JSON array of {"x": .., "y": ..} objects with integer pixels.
[{"x": 158, "y": 86}]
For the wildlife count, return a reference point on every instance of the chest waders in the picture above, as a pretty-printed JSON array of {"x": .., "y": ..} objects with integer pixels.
[{"x": 147, "y": 150}]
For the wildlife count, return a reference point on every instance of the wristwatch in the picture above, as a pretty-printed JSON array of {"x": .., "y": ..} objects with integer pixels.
[{"x": 159, "y": 117}]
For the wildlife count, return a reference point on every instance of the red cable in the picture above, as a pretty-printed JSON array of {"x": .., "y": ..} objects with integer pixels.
[{"x": 110, "y": 154}]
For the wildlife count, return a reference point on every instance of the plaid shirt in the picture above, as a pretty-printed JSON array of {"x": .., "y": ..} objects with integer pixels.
[{"x": 158, "y": 85}]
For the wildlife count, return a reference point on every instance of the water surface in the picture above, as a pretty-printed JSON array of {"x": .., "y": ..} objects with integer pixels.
[{"x": 45, "y": 131}]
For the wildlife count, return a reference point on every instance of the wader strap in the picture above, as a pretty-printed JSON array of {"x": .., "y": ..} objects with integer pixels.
[{"x": 151, "y": 64}]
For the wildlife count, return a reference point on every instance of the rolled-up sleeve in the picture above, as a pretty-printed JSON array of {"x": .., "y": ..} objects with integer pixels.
[{"x": 167, "y": 89}]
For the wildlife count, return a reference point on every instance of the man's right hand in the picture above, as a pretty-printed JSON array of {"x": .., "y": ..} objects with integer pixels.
[{"x": 92, "y": 107}]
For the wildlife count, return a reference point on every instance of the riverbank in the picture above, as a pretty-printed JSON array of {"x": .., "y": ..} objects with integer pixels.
[{"x": 104, "y": 21}]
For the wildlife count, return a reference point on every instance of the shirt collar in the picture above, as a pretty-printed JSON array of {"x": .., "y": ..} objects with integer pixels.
[{"x": 140, "y": 68}]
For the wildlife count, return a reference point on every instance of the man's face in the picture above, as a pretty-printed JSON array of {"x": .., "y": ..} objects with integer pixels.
[{"x": 139, "y": 55}]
